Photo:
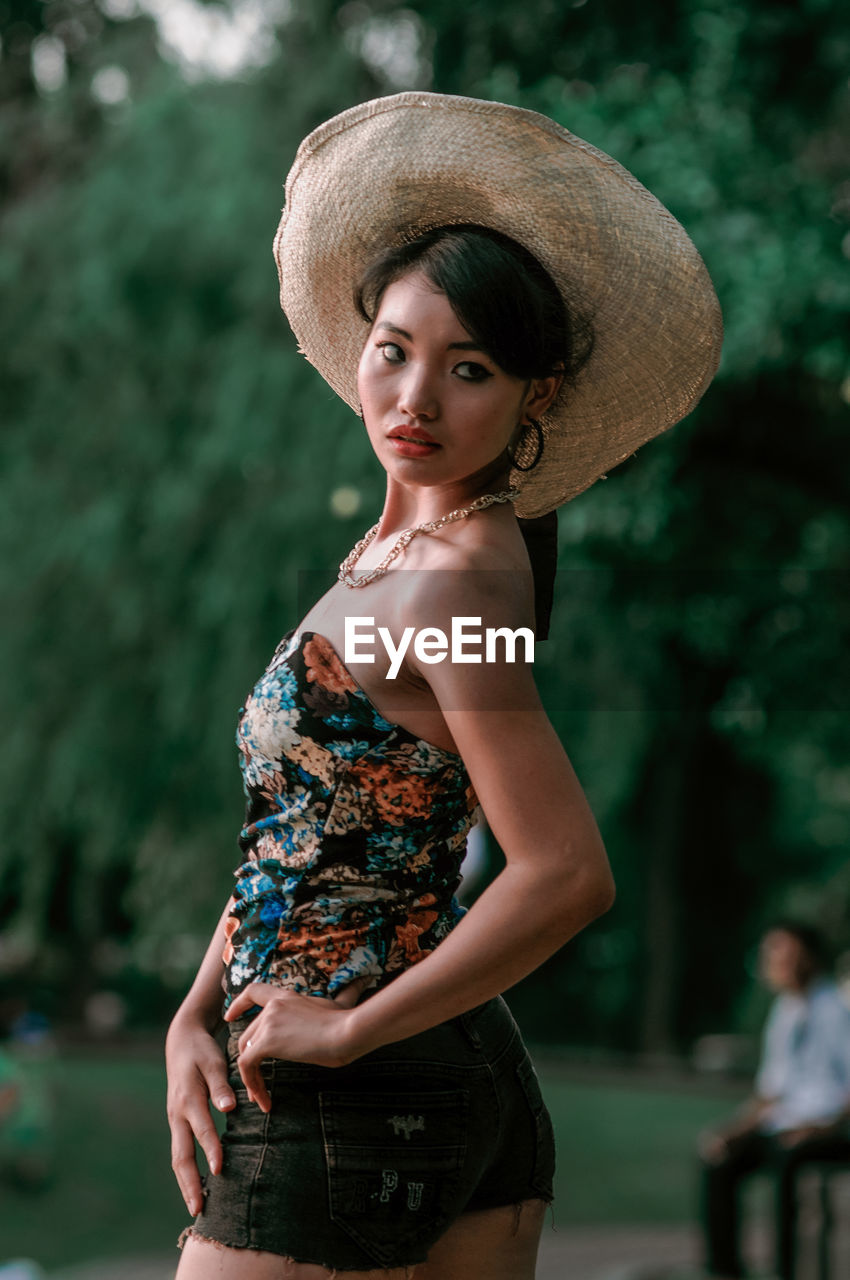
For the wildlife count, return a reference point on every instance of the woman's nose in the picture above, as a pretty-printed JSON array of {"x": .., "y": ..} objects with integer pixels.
[{"x": 418, "y": 394}]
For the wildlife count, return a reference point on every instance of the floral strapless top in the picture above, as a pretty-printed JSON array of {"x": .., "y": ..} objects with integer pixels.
[{"x": 354, "y": 832}]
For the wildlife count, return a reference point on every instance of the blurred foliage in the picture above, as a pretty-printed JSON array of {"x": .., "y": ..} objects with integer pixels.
[{"x": 169, "y": 463}]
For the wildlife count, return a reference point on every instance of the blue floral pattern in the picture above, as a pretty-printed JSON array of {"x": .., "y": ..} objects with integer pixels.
[{"x": 354, "y": 832}]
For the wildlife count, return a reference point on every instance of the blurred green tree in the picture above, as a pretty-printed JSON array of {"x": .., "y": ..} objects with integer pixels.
[{"x": 169, "y": 467}]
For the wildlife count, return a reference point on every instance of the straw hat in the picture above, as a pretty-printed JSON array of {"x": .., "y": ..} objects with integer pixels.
[{"x": 386, "y": 170}]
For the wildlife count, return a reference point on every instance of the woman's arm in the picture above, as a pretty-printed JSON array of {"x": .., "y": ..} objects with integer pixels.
[
  {"x": 556, "y": 880},
  {"x": 197, "y": 1068},
  {"x": 197, "y": 1072},
  {"x": 204, "y": 1000}
]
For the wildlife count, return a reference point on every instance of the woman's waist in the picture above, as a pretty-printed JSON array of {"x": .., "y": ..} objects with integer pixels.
[
  {"x": 333, "y": 950},
  {"x": 370, "y": 860},
  {"x": 483, "y": 1039},
  {"x": 283, "y": 890}
]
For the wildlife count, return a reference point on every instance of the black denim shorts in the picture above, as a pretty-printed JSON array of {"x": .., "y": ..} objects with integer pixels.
[{"x": 366, "y": 1166}]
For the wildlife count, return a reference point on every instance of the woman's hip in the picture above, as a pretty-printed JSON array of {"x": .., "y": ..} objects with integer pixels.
[{"x": 474, "y": 1042}]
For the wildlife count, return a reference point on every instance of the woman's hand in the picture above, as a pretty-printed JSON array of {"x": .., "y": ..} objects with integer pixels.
[
  {"x": 197, "y": 1075},
  {"x": 293, "y": 1027}
]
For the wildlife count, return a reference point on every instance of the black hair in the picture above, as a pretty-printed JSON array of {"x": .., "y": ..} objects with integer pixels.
[
  {"x": 512, "y": 308},
  {"x": 810, "y": 938},
  {"x": 504, "y": 298}
]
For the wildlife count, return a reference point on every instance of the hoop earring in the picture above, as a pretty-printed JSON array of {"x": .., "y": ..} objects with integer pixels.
[{"x": 538, "y": 448}]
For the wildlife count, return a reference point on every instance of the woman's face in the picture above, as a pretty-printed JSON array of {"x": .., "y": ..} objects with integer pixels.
[{"x": 437, "y": 408}]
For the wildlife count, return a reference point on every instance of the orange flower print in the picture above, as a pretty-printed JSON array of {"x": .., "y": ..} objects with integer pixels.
[
  {"x": 396, "y": 796},
  {"x": 327, "y": 946},
  {"x": 230, "y": 927},
  {"x": 324, "y": 667},
  {"x": 418, "y": 922}
]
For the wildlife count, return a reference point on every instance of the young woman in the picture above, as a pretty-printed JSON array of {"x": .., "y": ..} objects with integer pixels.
[{"x": 383, "y": 1117}]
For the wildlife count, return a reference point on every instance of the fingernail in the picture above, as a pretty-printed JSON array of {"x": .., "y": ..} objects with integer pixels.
[{"x": 224, "y": 1101}]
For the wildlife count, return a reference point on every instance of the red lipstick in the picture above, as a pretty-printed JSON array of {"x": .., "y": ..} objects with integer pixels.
[
  {"x": 412, "y": 433},
  {"x": 412, "y": 442}
]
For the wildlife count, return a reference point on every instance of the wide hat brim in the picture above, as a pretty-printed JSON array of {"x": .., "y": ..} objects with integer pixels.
[{"x": 384, "y": 171}]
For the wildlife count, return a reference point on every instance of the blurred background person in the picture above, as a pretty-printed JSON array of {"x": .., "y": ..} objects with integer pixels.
[{"x": 800, "y": 1107}]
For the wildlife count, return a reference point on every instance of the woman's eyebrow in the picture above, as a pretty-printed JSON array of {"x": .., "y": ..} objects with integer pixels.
[
  {"x": 452, "y": 346},
  {"x": 393, "y": 328}
]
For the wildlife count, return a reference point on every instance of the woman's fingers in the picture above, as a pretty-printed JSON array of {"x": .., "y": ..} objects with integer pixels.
[
  {"x": 218, "y": 1085},
  {"x": 250, "y": 1058},
  {"x": 260, "y": 993},
  {"x": 257, "y": 993},
  {"x": 287, "y": 1025},
  {"x": 207, "y": 1135},
  {"x": 184, "y": 1165},
  {"x": 197, "y": 1075},
  {"x": 191, "y": 1120}
]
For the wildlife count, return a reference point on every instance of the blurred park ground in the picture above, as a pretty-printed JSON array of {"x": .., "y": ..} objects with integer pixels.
[{"x": 171, "y": 469}]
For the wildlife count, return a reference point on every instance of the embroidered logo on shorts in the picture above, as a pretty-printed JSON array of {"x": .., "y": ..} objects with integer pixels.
[
  {"x": 389, "y": 1182},
  {"x": 414, "y": 1195},
  {"x": 407, "y": 1125}
]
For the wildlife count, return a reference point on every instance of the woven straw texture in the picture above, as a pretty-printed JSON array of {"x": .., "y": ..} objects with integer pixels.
[{"x": 386, "y": 170}]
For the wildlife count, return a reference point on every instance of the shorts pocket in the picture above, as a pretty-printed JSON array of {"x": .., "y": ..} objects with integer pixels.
[
  {"x": 394, "y": 1167},
  {"x": 543, "y": 1161}
]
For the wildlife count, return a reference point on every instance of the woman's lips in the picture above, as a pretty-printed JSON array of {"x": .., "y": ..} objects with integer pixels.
[
  {"x": 413, "y": 445},
  {"x": 412, "y": 448}
]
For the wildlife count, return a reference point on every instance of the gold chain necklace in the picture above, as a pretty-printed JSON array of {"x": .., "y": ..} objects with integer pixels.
[{"x": 369, "y": 575}]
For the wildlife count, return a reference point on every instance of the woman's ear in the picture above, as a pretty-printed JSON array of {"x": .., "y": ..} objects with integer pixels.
[{"x": 541, "y": 393}]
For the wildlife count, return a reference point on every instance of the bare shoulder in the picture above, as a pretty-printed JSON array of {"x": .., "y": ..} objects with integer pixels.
[
  {"x": 489, "y": 701},
  {"x": 479, "y": 571}
]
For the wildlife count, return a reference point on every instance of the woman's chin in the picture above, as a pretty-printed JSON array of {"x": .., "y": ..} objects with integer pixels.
[{"x": 431, "y": 470}]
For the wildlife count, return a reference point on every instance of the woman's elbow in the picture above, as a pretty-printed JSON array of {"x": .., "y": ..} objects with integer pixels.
[
  {"x": 578, "y": 900},
  {"x": 598, "y": 893},
  {"x": 607, "y": 895},
  {"x": 582, "y": 901}
]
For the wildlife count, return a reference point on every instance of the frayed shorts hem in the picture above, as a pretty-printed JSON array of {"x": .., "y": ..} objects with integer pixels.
[
  {"x": 407, "y": 1267},
  {"x": 191, "y": 1232}
]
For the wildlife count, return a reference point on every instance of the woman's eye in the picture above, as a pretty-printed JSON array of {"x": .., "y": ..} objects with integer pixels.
[
  {"x": 472, "y": 372},
  {"x": 391, "y": 352}
]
